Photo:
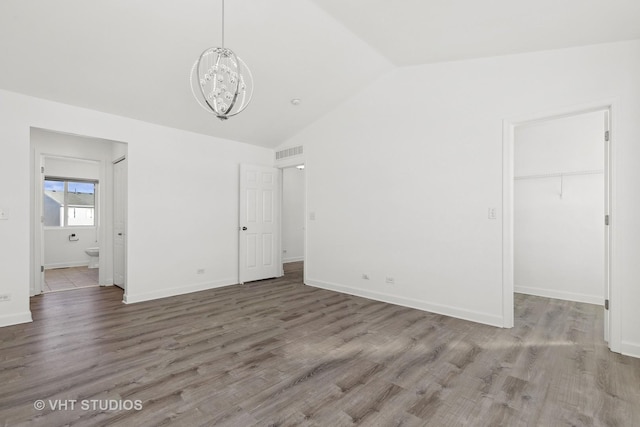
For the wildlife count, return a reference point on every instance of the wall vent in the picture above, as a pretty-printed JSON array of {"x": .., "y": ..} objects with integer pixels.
[{"x": 289, "y": 152}]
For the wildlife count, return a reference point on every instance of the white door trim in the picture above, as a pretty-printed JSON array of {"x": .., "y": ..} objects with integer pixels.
[
  {"x": 509, "y": 125},
  {"x": 120, "y": 198},
  {"x": 37, "y": 281}
]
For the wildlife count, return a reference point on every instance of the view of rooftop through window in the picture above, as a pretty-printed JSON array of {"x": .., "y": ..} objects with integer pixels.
[{"x": 69, "y": 203}]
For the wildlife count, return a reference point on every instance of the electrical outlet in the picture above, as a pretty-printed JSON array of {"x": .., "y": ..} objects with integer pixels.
[
  {"x": 5, "y": 297},
  {"x": 390, "y": 280},
  {"x": 200, "y": 271},
  {"x": 492, "y": 213},
  {"x": 365, "y": 276}
]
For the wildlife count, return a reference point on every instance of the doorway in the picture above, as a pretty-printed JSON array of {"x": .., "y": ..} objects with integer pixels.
[
  {"x": 70, "y": 223},
  {"x": 72, "y": 175},
  {"x": 271, "y": 225},
  {"x": 293, "y": 218},
  {"x": 557, "y": 208}
]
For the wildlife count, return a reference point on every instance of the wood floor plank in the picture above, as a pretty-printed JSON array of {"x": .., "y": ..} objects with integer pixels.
[{"x": 277, "y": 352}]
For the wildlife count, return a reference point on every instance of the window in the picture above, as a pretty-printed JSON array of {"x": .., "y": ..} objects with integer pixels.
[{"x": 69, "y": 203}]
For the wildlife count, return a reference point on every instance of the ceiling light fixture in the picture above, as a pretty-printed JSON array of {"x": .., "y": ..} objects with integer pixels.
[{"x": 220, "y": 81}]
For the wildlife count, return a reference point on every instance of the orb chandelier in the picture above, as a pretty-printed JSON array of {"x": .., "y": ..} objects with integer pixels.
[{"x": 220, "y": 81}]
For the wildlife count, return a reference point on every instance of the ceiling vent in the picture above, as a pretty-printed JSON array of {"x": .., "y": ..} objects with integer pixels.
[{"x": 289, "y": 152}]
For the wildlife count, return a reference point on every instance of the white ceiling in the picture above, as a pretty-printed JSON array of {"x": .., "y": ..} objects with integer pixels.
[
  {"x": 132, "y": 57},
  {"x": 411, "y": 32}
]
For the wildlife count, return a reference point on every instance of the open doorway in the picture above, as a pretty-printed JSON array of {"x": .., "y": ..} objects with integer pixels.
[
  {"x": 71, "y": 211},
  {"x": 70, "y": 223},
  {"x": 293, "y": 219},
  {"x": 557, "y": 209}
]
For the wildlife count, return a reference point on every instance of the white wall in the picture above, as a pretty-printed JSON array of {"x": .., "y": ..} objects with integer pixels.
[
  {"x": 165, "y": 165},
  {"x": 62, "y": 167},
  {"x": 559, "y": 220},
  {"x": 59, "y": 251},
  {"x": 400, "y": 178},
  {"x": 292, "y": 214}
]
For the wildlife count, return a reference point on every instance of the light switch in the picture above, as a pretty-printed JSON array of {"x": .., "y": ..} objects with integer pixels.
[{"x": 312, "y": 216}]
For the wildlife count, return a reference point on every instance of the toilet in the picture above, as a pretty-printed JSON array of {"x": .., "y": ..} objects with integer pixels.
[{"x": 94, "y": 257}]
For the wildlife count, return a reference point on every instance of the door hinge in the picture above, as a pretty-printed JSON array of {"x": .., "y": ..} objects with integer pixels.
[
  {"x": 42, "y": 269},
  {"x": 606, "y": 136},
  {"x": 42, "y": 219},
  {"x": 41, "y": 169},
  {"x": 606, "y": 304},
  {"x": 606, "y": 220}
]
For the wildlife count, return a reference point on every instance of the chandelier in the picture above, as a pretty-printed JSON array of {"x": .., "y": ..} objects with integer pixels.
[{"x": 220, "y": 81}]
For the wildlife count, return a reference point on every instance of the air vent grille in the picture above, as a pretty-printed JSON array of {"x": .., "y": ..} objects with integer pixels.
[{"x": 289, "y": 152}]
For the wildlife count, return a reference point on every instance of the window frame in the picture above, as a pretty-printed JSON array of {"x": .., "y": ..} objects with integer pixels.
[{"x": 66, "y": 181}]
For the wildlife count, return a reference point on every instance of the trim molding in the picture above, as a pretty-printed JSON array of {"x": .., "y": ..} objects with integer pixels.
[
  {"x": 630, "y": 349},
  {"x": 107, "y": 282},
  {"x": 473, "y": 316},
  {"x": 567, "y": 296},
  {"x": 171, "y": 292},
  {"x": 66, "y": 264},
  {"x": 292, "y": 259},
  {"x": 15, "y": 319}
]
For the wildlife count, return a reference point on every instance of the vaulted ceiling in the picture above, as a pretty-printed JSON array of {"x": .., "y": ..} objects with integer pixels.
[{"x": 132, "y": 57}]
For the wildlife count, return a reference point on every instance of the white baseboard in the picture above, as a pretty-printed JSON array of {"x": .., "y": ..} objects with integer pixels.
[
  {"x": 66, "y": 264},
  {"x": 630, "y": 349},
  {"x": 292, "y": 259},
  {"x": 170, "y": 292},
  {"x": 568, "y": 296},
  {"x": 15, "y": 319},
  {"x": 460, "y": 313}
]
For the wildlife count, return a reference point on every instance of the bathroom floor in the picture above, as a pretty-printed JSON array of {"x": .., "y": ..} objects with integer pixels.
[{"x": 63, "y": 279}]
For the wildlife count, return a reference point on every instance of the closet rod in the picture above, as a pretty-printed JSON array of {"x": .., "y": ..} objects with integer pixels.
[{"x": 560, "y": 174}]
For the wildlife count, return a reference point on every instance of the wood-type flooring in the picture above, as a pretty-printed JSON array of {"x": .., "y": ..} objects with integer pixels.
[{"x": 279, "y": 353}]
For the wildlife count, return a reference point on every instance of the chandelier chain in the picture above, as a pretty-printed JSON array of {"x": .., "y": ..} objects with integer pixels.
[{"x": 223, "y": 23}]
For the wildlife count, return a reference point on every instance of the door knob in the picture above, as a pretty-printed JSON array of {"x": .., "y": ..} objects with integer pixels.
[
  {"x": 244, "y": 228},
  {"x": 119, "y": 234}
]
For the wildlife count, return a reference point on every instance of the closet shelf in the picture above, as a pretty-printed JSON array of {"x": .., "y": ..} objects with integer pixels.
[{"x": 559, "y": 174}]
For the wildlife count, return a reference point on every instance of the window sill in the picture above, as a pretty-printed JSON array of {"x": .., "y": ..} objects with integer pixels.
[{"x": 72, "y": 227}]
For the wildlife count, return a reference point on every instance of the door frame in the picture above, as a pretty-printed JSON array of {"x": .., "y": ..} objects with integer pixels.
[
  {"x": 281, "y": 168},
  {"x": 39, "y": 152},
  {"x": 122, "y": 196},
  {"x": 36, "y": 286},
  {"x": 613, "y": 334}
]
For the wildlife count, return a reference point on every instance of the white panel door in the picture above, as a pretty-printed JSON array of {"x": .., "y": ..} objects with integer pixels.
[
  {"x": 259, "y": 223},
  {"x": 120, "y": 223}
]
